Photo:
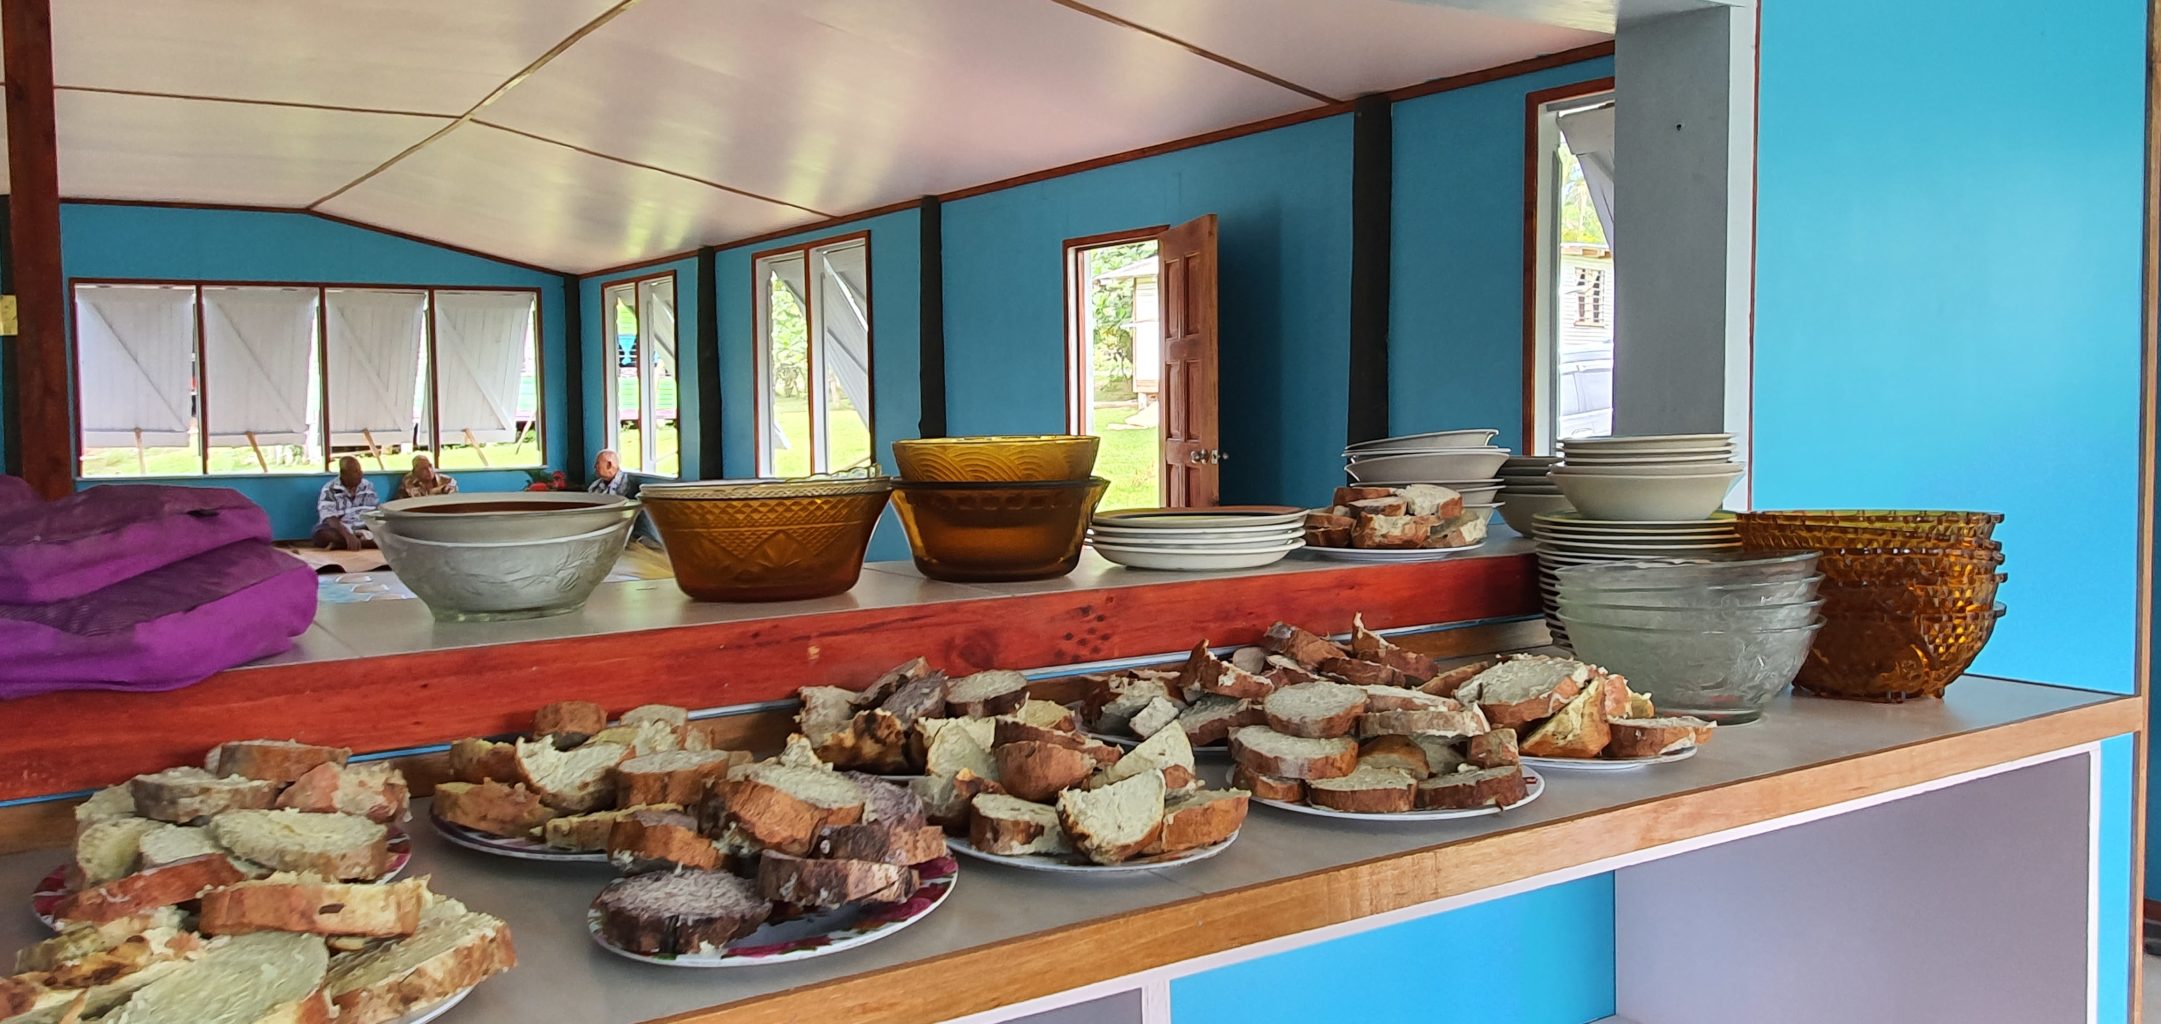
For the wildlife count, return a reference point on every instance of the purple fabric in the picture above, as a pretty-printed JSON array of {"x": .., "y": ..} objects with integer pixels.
[
  {"x": 93, "y": 539},
  {"x": 162, "y": 630},
  {"x": 16, "y": 492}
]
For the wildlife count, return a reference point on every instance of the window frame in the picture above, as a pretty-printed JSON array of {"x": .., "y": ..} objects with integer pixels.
[
  {"x": 646, "y": 401},
  {"x": 1541, "y": 252},
  {"x": 761, "y": 355},
  {"x": 1077, "y": 355},
  {"x": 322, "y": 368}
]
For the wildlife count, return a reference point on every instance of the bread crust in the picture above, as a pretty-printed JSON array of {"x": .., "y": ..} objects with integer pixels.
[
  {"x": 992, "y": 703},
  {"x": 1192, "y": 824},
  {"x": 1444, "y": 684},
  {"x": 272, "y": 760},
  {"x": 1205, "y": 673},
  {"x": 1009, "y": 836},
  {"x": 873, "y": 741},
  {"x": 571, "y": 722},
  {"x": 1369, "y": 799},
  {"x": 294, "y": 904},
  {"x": 659, "y": 840},
  {"x": 165, "y": 886},
  {"x": 888, "y": 844},
  {"x": 1401, "y": 752},
  {"x": 477, "y": 760},
  {"x": 1641, "y": 738},
  {"x": 1367, "y": 645},
  {"x": 681, "y": 929},
  {"x": 377, "y": 793},
  {"x": 491, "y": 807},
  {"x": 645, "y": 780},
  {"x": 1268, "y": 787},
  {"x": 175, "y": 797},
  {"x": 831, "y": 883},
  {"x": 1037, "y": 771},
  {"x": 464, "y": 965},
  {"x": 1497, "y": 748},
  {"x": 1306, "y": 648},
  {"x": 1340, "y": 759},
  {"x": 778, "y": 819},
  {"x": 1365, "y": 673},
  {"x": 1503, "y": 787},
  {"x": 1578, "y": 729}
]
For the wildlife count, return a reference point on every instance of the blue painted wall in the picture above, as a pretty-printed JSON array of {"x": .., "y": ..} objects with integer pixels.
[
  {"x": 1948, "y": 312},
  {"x": 1283, "y": 198},
  {"x": 1407, "y": 972},
  {"x": 596, "y": 341},
  {"x": 241, "y": 245},
  {"x": 1455, "y": 309}
]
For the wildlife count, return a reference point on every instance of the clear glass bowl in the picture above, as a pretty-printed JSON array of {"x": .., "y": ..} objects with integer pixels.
[
  {"x": 1705, "y": 595},
  {"x": 988, "y": 532},
  {"x": 766, "y": 540},
  {"x": 1697, "y": 570},
  {"x": 1762, "y": 616},
  {"x": 997, "y": 458},
  {"x": 1724, "y": 676},
  {"x": 1895, "y": 656}
]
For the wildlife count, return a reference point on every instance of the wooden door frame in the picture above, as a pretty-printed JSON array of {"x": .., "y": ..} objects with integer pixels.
[
  {"x": 1534, "y": 112},
  {"x": 612, "y": 416},
  {"x": 1076, "y": 287}
]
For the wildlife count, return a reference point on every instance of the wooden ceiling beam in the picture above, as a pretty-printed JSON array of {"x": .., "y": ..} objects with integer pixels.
[{"x": 1199, "y": 51}]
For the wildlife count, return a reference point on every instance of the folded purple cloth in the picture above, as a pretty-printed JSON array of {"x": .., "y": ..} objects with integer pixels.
[
  {"x": 56, "y": 550},
  {"x": 163, "y": 629},
  {"x": 16, "y": 491}
]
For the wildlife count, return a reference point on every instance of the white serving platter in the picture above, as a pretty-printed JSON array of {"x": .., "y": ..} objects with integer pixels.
[
  {"x": 1229, "y": 516},
  {"x": 1195, "y": 560},
  {"x": 812, "y": 935},
  {"x": 428, "y": 1013},
  {"x": 1071, "y": 866},
  {"x": 1534, "y": 787},
  {"x": 1600, "y": 764},
  {"x": 1391, "y": 556},
  {"x": 514, "y": 847}
]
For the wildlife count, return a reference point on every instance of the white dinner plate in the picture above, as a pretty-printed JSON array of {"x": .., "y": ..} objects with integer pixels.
[
  {"x": 1184, "y": 541},
  {"x": 1648, "y": 441},
  {"x": 1586, "y": 547},
  {"x": 428, "y": 1013},
  {"x": 1195, "y": 560},
  {"x": 1228, "y": 516},
  {"x": 514, "y": 847},
  {"x": 1391, "y": 556},
  {"x": 812, "y": 935},
  {"x": 1074, "y": 866},
  {"x": 1534, "y": 786},
  {"x": 1566, "y": 519},
  {"x": 1600, "y": 764}
]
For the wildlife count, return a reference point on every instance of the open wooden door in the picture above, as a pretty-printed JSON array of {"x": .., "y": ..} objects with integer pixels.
[{"x": 1192, "y": 444}]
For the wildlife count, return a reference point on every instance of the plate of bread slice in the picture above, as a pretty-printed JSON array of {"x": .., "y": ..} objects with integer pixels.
[
  {"x": 1411, "y": 523},
  {"x": 257, "y": 807},
  {"x": 780, "y": 860},
  {"x": 559, "y": 792},
  {"x": 283, "y": 947},
  {"x": 1576, "y": 716},
  {"x": 889, "y": 727}
]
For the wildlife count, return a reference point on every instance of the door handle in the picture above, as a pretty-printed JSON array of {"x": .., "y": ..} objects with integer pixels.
[{"x": 1207, "y": 456}]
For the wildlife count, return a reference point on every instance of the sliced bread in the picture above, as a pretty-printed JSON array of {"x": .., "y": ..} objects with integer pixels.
[
  {"x": 77, "y": 941},
  {"x": 1365, "y": 673},
  {"x": 171, "y": 844},
  {"x": 1114, "y": 823},
  {"x": 1044, "y": 714},
  {"x": 831, "y": 883},
  {"x": 1315, "y": 710},
  {"x": 885, "y": 803},
  {"x": 1473, "y": 788},
  {"x": 1369, "y": 790},
  {"x": 1516, "y": 692},
  {"x": 955, "y": 748},
  {"x": 1398, "y": 752},
  {"x": 301, "y": 903},
  {"x": 672, "y": 777},
  {"x": 668, "y": 913},
  {"x": 148, "y": 890},
  {"x": 1282, "y": 671},
  {"x": 1204, "y": 818},
  {"x": 588, "y": 833},
  {"x": 826, "y": 711},
  {"x": 1448, "y": 682},
  {"x": 491, "y": 807},
  {"x": 1206, "y": 673},
  {"x": 1014, "y": 731},
  {"x": 1443, "y": 754},
  {"x": 946, "y": 797},
  {"x": 105, "y": 805},
  {"x": 98, "y": 980},
  {"x": 1493, "y": 749},
  {"x": 873, "y": 740},
  {"x": 1010, "y": 827},
  {"x": 783, "y": 807},
  {"x": 477, "y": 760},
  {"x": 987, "y": 694},
  {"x": 187, "y": 795},
  {"x": 335, "y": 846},
  {"x": 1112, "y": 705},
  {"x": 918, "y": 698},
  {"x": 1307, "y": 649},
  {"x": 571, "y": 781},
  {"x": 272, "y": 760},
  {"x": 888, "y": 844},
  {"x": 1397, "y": 698},
  {"x": 667, "y": 714},
  {"x": 1161, "y": 713},
  {"x": 375, "y": 791},
  {"x": 649, "y": 736},
  {"x": 453, "y": 950},
  {"x": 1578, "y": 729},
  {"x": 889, "y": 683},
  {"x": 1460, "y": 722},
  {"x": 1268, "y": 787},
  {"x": 1209, "y": 720},
  {"x": 246, "y": 979},
  {"x": 1033, "y": 770},
  {"x": 658, "y": 840},
  {"x": 1166, "y": 752},
  {"x": 108, "y": 849},
  {"x": 569, "y": 722},
  {"x": 1268, "y": 752},
  {"x": 925, "y": 730},
  {"x": 1431, "y": 500},
  {"x": 1652, "y": 737}
]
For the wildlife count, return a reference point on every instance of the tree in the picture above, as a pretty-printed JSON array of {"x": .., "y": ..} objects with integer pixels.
[
  {"x": 1579, "y": 218},
  {"x": 1111, "y": 303},
  {"x": 790, "y": 340}
]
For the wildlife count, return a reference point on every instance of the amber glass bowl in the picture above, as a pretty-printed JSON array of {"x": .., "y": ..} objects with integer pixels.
[
  {"x": 985, "y": 532},
  {"x": 1045, "y": 458},
  {"x": 1844, "y": 567},
  {"x": 1851, "y": 528},
  {"x": 766, "y": 540},
  {"x": 1966, "y": 595},
  {"x": 1894, "y": 656}
]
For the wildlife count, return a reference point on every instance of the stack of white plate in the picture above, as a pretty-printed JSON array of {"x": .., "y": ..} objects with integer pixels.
[
  {"x": 1198, "y": 539},
  {"x": 1527, "y": 491},
  {"x": 1650, "y": 478},
  {"x": 1570, "y": 538},
  {"x": 1460, "y": 460}
]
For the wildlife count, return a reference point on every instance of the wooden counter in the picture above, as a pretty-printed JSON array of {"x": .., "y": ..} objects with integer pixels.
[{"x": 1008, "y": 936}]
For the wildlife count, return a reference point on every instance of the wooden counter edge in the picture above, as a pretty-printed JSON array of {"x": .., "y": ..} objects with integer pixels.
[{"x": 1045, "y": 963}]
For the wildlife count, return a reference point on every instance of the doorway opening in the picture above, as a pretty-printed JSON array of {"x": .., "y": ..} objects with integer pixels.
[
  {"x": 1114, "y": 360},
  {"x": 1574, "y": 310}
]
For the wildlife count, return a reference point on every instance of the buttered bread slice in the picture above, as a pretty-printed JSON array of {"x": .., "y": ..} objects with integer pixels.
[
  {"x": 335, "y": 846},
  {"x": 454, "y": 949},
  {"x": 246, "y": 979}
]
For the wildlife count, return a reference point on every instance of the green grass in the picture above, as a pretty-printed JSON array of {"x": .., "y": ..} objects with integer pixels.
[
  {"x": 1129, "y": 459},
  {"x": 847, "y": 440}
]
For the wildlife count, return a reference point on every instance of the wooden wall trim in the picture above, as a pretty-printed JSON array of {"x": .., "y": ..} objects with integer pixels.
[
  {"x": 11, "y": 437},
  {"x": 42, "y": 402},
  {"x": 710, "y": 422},
  {"x": 94, "y": 738},
  {"x": 1534, "y": 110},
  {"x": 930, "y": 317},
  {"x": 1372, "y": 226}
]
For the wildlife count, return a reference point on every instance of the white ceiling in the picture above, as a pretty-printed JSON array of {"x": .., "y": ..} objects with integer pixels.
[{"x": 659, "y": 125}]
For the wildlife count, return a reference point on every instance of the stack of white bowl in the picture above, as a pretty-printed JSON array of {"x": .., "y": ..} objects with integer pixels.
[
  {"x": 1527, "y": 491},
  {"x": 1463, "y": 461},
  {"x": 1198, "y": 539},
  {"x": 1635, "y": 498}
]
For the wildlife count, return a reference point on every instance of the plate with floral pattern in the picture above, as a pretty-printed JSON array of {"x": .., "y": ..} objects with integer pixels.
[
  {"x": 812, "y": 935},
  {"x": 514, "y": 847},
  {"x": 52, "y": 890}
]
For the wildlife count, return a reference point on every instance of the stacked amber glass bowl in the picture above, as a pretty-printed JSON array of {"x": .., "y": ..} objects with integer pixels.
[
  {"x": 1909, "y": 597},
  {"x": 987, "y": 509},
  {"x": 766, "y": 540}
]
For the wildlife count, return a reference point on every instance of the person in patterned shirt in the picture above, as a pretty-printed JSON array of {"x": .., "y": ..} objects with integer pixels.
[
  {"x": 338, "y": 509},
  {"x": 608, "y": 475}
]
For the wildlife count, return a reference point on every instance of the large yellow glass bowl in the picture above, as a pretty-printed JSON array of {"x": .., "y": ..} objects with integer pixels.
[
  {"x": 1894, "y": 655},
  {"x": 781, "y": 540},
  {"x": 986, "y": 532},
  {"x": 1854, "y": 528},
  {"x": 997, "y": 458}
]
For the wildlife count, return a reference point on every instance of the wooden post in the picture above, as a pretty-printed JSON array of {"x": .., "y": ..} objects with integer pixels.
[
  {"x": 41, "y": 361},
  {"x": 374, "y": 449},
  {"x": 142, "y": 461},
  {"x": 260, "y": 462},
  {"x": 474, "y": 443}
]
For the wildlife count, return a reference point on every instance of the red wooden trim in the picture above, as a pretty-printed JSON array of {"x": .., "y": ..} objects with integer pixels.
[
  {"x": 1534, "y": 105},
  {"x": 93, "y": 738},
  {"x": 1144, "y": 152},
  {"x": 673, "y": 257},
  {"x": 1206, "y": 54},
  {"x": 1546, "y": 62},
  {"x": 41, "y": 345},
  {"x": 1076, "y": 287},
  {"x": 823, "y": 225}
]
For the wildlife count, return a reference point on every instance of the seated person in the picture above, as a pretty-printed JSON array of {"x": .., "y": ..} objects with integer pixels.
[
  {"x": 608, "y": 475},
  {"x": 339, "y": 506},
  {"x": 423, "y": 481}
]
